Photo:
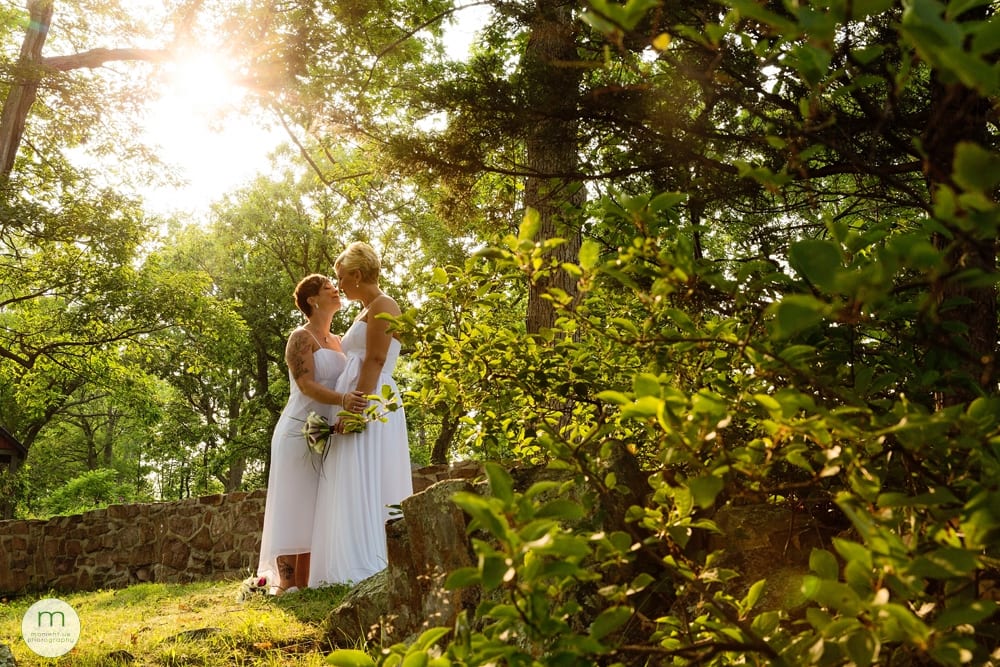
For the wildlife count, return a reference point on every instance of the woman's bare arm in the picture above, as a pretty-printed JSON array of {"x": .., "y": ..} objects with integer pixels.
[{"x": 377, "y": 339}]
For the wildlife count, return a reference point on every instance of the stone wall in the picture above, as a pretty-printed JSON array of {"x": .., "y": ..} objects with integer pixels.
[
  {"x": 209, "y": 538},
  {"x": 212, "y": 537}
]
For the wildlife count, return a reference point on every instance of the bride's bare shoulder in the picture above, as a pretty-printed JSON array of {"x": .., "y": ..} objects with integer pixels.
[{"x": 383, "y": 303}]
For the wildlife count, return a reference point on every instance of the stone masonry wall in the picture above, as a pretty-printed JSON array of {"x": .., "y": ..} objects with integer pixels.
[{"x": 209, "y": 538}]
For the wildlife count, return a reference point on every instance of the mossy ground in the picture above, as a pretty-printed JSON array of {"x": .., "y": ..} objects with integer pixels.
[{"x": 182, "y": 624}]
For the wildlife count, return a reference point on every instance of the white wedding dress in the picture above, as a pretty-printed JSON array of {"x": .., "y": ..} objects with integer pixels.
[
  {"x": 362, "y": 475},
  {"x": 294, "y": 475}
]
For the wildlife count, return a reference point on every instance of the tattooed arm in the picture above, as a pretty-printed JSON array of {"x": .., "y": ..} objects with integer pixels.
[{"x": 299, "y": 357}]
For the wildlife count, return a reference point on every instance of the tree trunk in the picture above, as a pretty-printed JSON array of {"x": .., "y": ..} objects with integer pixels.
[
  {"x": 108, "y": 455},
  {"x": 439, "y": 452},
  {"x": 32, "y": 66},
  {"x": 25, "y": 87},
  {"x": 234, "y": 474},
  {"x": 552, "y": 79},
  {"x": 968, "y": 329}
]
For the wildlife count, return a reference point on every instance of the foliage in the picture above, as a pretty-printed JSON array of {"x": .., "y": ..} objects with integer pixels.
[
  {"x": 843, "y": 379},
  {"x": 91, "y": 490},
  {"x": 775, "y": 419}
]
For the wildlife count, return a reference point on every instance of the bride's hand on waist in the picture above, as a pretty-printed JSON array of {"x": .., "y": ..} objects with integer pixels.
[{"x": 354, "y": 401}]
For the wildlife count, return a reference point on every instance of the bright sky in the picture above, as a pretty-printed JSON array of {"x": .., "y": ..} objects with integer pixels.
[
  {"x": 218, "y": 157},
  {"x": 211, "y": 147}
]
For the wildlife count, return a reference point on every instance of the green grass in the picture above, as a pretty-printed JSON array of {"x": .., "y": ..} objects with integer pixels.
[{"x": 171, "y": 625}]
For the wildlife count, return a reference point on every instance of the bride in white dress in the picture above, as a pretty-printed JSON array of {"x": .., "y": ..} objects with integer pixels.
[
  {"x": 315, "y": 362},
  {"x": 363, "y": 473}
]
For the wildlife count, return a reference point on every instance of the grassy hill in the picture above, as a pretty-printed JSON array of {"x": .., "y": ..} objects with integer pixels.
[{"x": 172, "y": 624}]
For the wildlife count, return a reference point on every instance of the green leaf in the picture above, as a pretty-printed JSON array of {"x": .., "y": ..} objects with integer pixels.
[
  {"x": 430, "y": 637},
  {"x": 832, "y": 594},
  {"x": 590, "y": 254},
  {"x": 646, "y": 384},
  {"x": 968, "y": 612},
  {"x": 626, "y": 324},
  {"x": 494, "y": 568},
  {"x": 797, "y": 458},
  {"x": 645, "y": 407},
  {"x": 753, "y": 595},
  {"x": 539, "y": 488},
  {"x": 530, "y": 225},
  {"x": 614, "y": 397},
  {"x": 860, "y": 646},
  {"x": 609, "y": 620},
  {"x": 824, "y": 564},
  {"x": 818, "y": 261},
  {"x": 818, "y": 618},
  {"x": 705, "y": 489},
  {"x": 853, "y": 552},
  {"x": 611, "y": 480},
  {"x": 863, "y": 8},
  {"x": 501, "y": 483},
  {"x": 482, "y": 512},
  {"x": 635, "y": 11},
  {"x": 683, "y": 501},
  {"x": 769, "y": 403},
  {"x": 976, "y": 168},
  {"x": 349, "y": 657},
  {"x": 923, "y": 20},
  {"x": 812, "y": 62},
  {"x": 958, "y": 7},
  {"x": 415, "y": 659},
  {"x": 987, "y": 37},
  {"x": 796, "y": 313},
  {"x": 641, "y": 581},
  {"x": 944, "y": 563},
  {"x": 901, "y": 624},
  {"x": 858, "y": 576},
  {"x": 766, "y": 623},
  {"x": 560, "y": 508},
  {"x": 666, "y": 200},
  {"x": 984, "y": 411},
  {"x": 463, "y": 577}
]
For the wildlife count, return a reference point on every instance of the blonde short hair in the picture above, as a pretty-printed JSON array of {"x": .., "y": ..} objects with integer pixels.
[{"x": 359, "y": 256}]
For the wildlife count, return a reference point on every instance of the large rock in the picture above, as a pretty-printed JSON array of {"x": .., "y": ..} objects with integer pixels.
[
  {"x": 409, "y": 596},
  {"x": 430, "y": 542},
  {"x": 761, "y": 541}
]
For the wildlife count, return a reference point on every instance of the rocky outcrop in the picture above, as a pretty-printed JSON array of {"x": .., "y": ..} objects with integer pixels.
[
  {"x": 425, "y": 546},
  {"x": 432, "y": 474},
  {"x": 409, "y": 595},
  {"x": 762, "y": 541}
]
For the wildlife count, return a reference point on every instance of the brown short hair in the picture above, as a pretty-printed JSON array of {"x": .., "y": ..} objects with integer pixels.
[{"x": 308, "y": 287}]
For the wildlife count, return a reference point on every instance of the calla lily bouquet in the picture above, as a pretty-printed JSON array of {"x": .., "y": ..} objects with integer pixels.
[{"x": 316, "y": 430}]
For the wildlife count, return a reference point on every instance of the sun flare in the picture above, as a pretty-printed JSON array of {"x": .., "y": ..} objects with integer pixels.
[
  {"x": 201, "y": 85},
  {"x": 200, "y": 128}
]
